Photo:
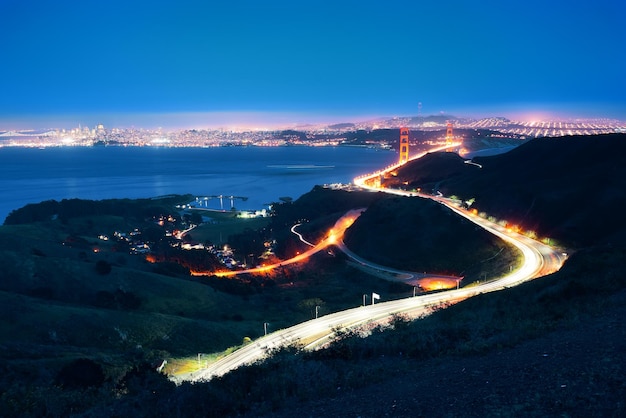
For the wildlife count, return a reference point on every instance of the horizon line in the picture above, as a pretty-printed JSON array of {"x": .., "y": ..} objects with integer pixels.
[{"x": 257, "y": 120}]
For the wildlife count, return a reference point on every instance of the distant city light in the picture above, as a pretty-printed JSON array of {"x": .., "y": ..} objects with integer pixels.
[{"x": 317, "y": 134}]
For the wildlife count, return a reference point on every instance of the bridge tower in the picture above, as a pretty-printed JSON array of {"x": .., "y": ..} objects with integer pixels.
[
  {"x": 449, "y": 135},
  {"x": 404, "y": 145}
]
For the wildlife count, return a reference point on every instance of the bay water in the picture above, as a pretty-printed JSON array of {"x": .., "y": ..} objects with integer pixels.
[{"x": 261, "y": 174}]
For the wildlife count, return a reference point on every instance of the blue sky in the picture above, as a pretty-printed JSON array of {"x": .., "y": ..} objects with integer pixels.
[{"x": 187, "y": 62}]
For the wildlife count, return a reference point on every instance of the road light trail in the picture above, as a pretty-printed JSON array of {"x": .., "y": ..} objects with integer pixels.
[
  {"x": 334, "y": 235},
  {"x": 539, "y": 259},
  {"x": 408, "y": 277},
  {"x": 293, "y": 230},
  {"x": 398, "y": 165},
  {"x": 316, "y": 332}
]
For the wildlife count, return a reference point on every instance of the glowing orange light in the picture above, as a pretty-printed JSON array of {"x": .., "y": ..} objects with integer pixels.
[
  {"x": 429, "y": 284},
  {"x": 333, "y": 236}
]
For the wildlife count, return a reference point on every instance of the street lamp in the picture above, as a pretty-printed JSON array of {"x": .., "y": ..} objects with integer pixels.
[
  {"x": 364, "y": 297},
  {"x": 265, "y": 324},
  {"x": 317, "y": 310}
]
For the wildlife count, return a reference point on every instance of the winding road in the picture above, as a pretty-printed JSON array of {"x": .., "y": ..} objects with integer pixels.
[{"x": 539, "y": 260}]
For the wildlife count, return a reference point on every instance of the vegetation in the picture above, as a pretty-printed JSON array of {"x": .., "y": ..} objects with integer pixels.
[
  {"x": 468, "y": 330},
  {"x": 423, "y": 236},
  {"x": 68, "y": 295},
  {"x": 86, "y": 324},
  {"x": 221, "y": 231},
  {"x": 565, "y": 188},
  {"x": 317, "y": 211},
  {"x": 77, "y": 208}
]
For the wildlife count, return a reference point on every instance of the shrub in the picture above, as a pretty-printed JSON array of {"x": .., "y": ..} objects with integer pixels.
[{"x": 79, "y": 374}]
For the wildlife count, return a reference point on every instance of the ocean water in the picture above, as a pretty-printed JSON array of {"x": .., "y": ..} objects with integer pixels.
[{"x": 262, "y": 174}]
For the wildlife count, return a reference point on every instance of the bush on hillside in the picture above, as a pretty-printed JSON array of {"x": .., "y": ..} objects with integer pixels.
[{"x": 80, "y": 374}]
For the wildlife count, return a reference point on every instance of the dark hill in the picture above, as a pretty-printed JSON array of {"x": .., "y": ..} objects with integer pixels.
[
  {"x": 429, "y": 171},
  {"x": 409, "y": 234},
  {"x": 569, "y": 188},
  {"x": 317, "y": 210},
  {"x": 422, "y": 235}
]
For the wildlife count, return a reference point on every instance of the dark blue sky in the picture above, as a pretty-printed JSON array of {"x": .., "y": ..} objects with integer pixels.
[{"x": 199, "y": 62}]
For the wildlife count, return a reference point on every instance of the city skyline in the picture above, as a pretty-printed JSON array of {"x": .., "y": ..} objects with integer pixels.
[{"x": 279, "y": 63}]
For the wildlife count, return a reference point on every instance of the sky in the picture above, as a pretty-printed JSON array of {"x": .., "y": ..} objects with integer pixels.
[{"x": 201, "y": 63}]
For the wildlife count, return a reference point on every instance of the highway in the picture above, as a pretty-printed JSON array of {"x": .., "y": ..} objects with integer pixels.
[
  {"x": 316, "y": 332},
  {"x": 538, "y": 260}
]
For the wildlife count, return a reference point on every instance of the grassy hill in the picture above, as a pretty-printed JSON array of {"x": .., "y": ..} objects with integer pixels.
[
  {"x": 550, "y": 347},
  {"x": 57, "y": 298},
  {"x": 67, "y": 294}
]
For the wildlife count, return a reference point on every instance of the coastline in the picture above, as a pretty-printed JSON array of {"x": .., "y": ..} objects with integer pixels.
[{"x": 34, "y": 175}]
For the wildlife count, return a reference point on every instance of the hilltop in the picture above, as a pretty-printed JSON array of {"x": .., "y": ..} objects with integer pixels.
[
  {"x": 423, "y": 236},
  {"x": 569, "y": 189}
]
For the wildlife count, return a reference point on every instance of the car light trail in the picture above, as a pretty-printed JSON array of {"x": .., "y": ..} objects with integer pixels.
[
  {"x": 334, "y": 235},
  {"x": 539, "y": 259}
]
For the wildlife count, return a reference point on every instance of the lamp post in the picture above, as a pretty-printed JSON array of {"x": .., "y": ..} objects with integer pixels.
[
  {"x": 265, "y": 324},
  {"x": 364, "y": 297},
  {"x": 317, "y": 311}
]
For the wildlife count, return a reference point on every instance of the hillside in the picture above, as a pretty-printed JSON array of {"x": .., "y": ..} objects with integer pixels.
[
  {"x": 423, "y": 236},
  {"x": 62, "y": 302},
  {"x": 569, "y": 189},
  {"x": 86, "y": 320},
  {"x": 317, "y": 211},
  {"x": 551, "y": 347},
  {"x": 76, "y": 285}
]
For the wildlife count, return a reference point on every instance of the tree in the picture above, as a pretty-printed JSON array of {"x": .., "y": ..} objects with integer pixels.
[
  {"x": 310, "y": 305},
  {"x": 80, "y": 373}
]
